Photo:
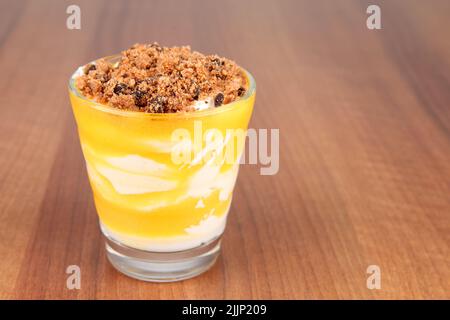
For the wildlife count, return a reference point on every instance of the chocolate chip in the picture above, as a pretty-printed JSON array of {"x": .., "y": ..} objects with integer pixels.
[
  {"x": 218, "y": 100},
  {"x": 215, "y": 64},
  {"x": 156, "y": 46},
  {"x": 159, "y": 99},
  {"x": 89, "y": 67},
  {"x": 119, "y": 88},
  {"x": 139, "y": 99},
  {"x": 158, "y": 104},
  {"x": 196, "y": 93},
  {"x": 158, "y": 108},
  {"x": 241, "y": 91}
]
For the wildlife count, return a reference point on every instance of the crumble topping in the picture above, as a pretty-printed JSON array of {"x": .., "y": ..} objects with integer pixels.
[{"x": 155, "y": 79}]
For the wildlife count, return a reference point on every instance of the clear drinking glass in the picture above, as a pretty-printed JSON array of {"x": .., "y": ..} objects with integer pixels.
[{"x": 162, "y": 183}]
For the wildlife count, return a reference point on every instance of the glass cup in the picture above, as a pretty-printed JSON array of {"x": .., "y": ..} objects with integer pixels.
[{"x": 162, "y": 183}]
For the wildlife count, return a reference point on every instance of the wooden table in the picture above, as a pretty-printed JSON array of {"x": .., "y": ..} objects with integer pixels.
[{"x": 364, "y": 125}]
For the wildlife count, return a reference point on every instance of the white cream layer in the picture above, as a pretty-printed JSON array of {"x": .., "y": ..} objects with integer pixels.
[
  {"x": 134, "y": 174},
  {"x": 204, "y": 104}
]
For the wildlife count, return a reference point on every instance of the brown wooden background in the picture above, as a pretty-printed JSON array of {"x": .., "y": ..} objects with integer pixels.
[{"x": 364, "y": 162}]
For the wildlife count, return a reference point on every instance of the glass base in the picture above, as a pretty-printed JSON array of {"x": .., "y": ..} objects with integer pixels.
[{"x": 162, "y": 266}]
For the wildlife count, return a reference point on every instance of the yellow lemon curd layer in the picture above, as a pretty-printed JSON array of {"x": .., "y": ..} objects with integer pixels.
[{"x": 162, "y": 176}]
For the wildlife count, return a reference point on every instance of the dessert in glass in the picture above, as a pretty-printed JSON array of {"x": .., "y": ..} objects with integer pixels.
[{"x": 162, "y": 131}]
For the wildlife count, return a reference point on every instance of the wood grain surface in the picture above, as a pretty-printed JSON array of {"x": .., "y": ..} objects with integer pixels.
[{"x": 364, "y": 119}]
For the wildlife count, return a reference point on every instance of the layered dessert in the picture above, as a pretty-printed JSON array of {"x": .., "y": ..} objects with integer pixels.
[{"x": 130, "y": 109}]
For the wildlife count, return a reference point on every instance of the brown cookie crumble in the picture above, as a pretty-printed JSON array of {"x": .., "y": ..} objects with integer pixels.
[{"x": 155, "y": 79}]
